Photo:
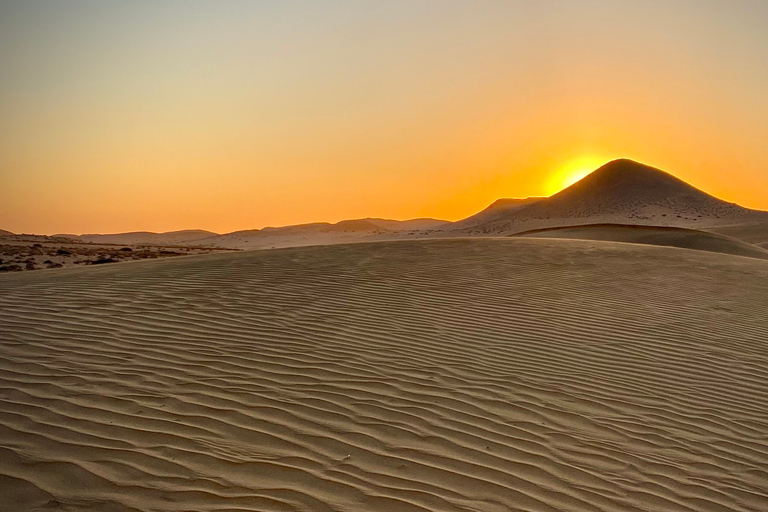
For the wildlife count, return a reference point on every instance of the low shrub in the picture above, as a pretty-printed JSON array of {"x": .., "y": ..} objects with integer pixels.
[{"x": 103, "y": 260}]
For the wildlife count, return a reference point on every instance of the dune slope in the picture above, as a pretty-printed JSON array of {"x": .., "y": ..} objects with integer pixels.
[
  {"x": 495, "y": 211},
  {"x": 753, "y": 233},
  {"x": 463, "y": 375},
  {"x": 653, "y": 235},
  {"x": 620, "y": 192}
]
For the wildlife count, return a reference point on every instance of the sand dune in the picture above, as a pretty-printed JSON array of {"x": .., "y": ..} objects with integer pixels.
[
  {"x": 406, "y": 225},
  {"x": 653, "y": 235},
  {"x": 147, "y": 237},
  {"x": 619, "y": 192},
  {"x": 464, "y": 375},
  {"x": 323, "y": 233},
  {"x": 499, "y": 209},
  {"x": 320, "y": 233},
  {"x": 753, "y": 233}
]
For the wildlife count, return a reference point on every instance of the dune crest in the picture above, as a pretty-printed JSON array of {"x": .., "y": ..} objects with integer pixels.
[
  {"x": 652, "y": 235},
  {"x": 619, "y": 192},
  {"x": 147, "y": 237}
]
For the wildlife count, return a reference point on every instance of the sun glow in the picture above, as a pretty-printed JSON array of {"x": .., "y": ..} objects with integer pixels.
[{"x": 572, "y": 172}]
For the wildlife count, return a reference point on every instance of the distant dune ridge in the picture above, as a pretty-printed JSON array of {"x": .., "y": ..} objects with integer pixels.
[
  {"x": 146, "y": 237},
  {"x": 465, "y": 375},
  {"x": 405, "y": 225},
  {"x": 301, "y": 234},
  {"x": 322, "y": 233}
]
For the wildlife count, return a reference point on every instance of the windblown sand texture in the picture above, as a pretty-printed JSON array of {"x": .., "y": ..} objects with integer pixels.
[
  {"x": 654, "y": 235},
  {"x": 461, "y": 375}
]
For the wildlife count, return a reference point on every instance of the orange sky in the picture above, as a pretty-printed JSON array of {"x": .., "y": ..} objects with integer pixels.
[{"x": 226, "y": 115}]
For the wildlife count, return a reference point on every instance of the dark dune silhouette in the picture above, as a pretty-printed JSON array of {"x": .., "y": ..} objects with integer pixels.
[{"x": 5, "y": 233}]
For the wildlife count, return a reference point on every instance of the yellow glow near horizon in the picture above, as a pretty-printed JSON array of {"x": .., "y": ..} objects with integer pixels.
[{"x": 571, "y": 172}]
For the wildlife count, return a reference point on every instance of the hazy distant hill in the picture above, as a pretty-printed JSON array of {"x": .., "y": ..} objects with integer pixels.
[
  {"x": 652, "y": 235},
  {"x": 315, "y": 233},
  {"x": 621, "y": 191},
  {"x": 319, "y": 233},
  {"x": 147, "y": 237},
  {"x": 406, "y": 225}
]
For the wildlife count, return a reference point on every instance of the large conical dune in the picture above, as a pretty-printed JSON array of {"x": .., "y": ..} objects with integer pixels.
[{"x": 625, "y": 192}]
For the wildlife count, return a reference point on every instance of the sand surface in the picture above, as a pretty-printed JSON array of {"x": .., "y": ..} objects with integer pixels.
[
  {"x": 753, "y": 233},
  {"x": 654, "y": 235},
  {"x": 462, "y": 375}
]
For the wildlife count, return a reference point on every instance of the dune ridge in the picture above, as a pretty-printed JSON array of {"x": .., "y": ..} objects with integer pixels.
[
  {"x": 145, "y": 237},
  {"x": 653, "y": 235},
  {"x": 482, "y": 375},
  {"x": 754, "y": 233}
]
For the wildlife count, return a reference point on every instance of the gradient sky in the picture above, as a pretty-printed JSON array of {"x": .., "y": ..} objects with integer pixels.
[{"x": 234, "y": 114}]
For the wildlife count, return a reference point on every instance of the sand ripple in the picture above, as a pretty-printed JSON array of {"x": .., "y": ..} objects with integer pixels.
[{"x": 465, "y": 375}]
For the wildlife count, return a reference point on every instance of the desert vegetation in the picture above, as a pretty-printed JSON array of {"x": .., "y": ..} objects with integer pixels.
[{"x": 21, "y": 256}]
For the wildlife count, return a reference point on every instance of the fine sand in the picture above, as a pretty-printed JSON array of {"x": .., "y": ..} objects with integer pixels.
[
  {"x": 753, "y": 233},
  {"x": 453, "y": 375},
  {"x": 653, "y": 235}
]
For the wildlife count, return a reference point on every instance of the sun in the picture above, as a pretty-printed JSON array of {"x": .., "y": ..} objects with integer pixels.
[{"x": 571, "y": 172}]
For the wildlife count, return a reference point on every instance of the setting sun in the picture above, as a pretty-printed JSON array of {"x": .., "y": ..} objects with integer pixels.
[{"x": 572, "y": 172}]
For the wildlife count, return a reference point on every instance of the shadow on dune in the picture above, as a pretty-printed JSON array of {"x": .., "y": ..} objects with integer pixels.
[{"x": 652, "y": 235}]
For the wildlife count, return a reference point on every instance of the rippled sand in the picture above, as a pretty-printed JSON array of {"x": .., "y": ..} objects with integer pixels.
[{"x": 463, "y": 375}]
